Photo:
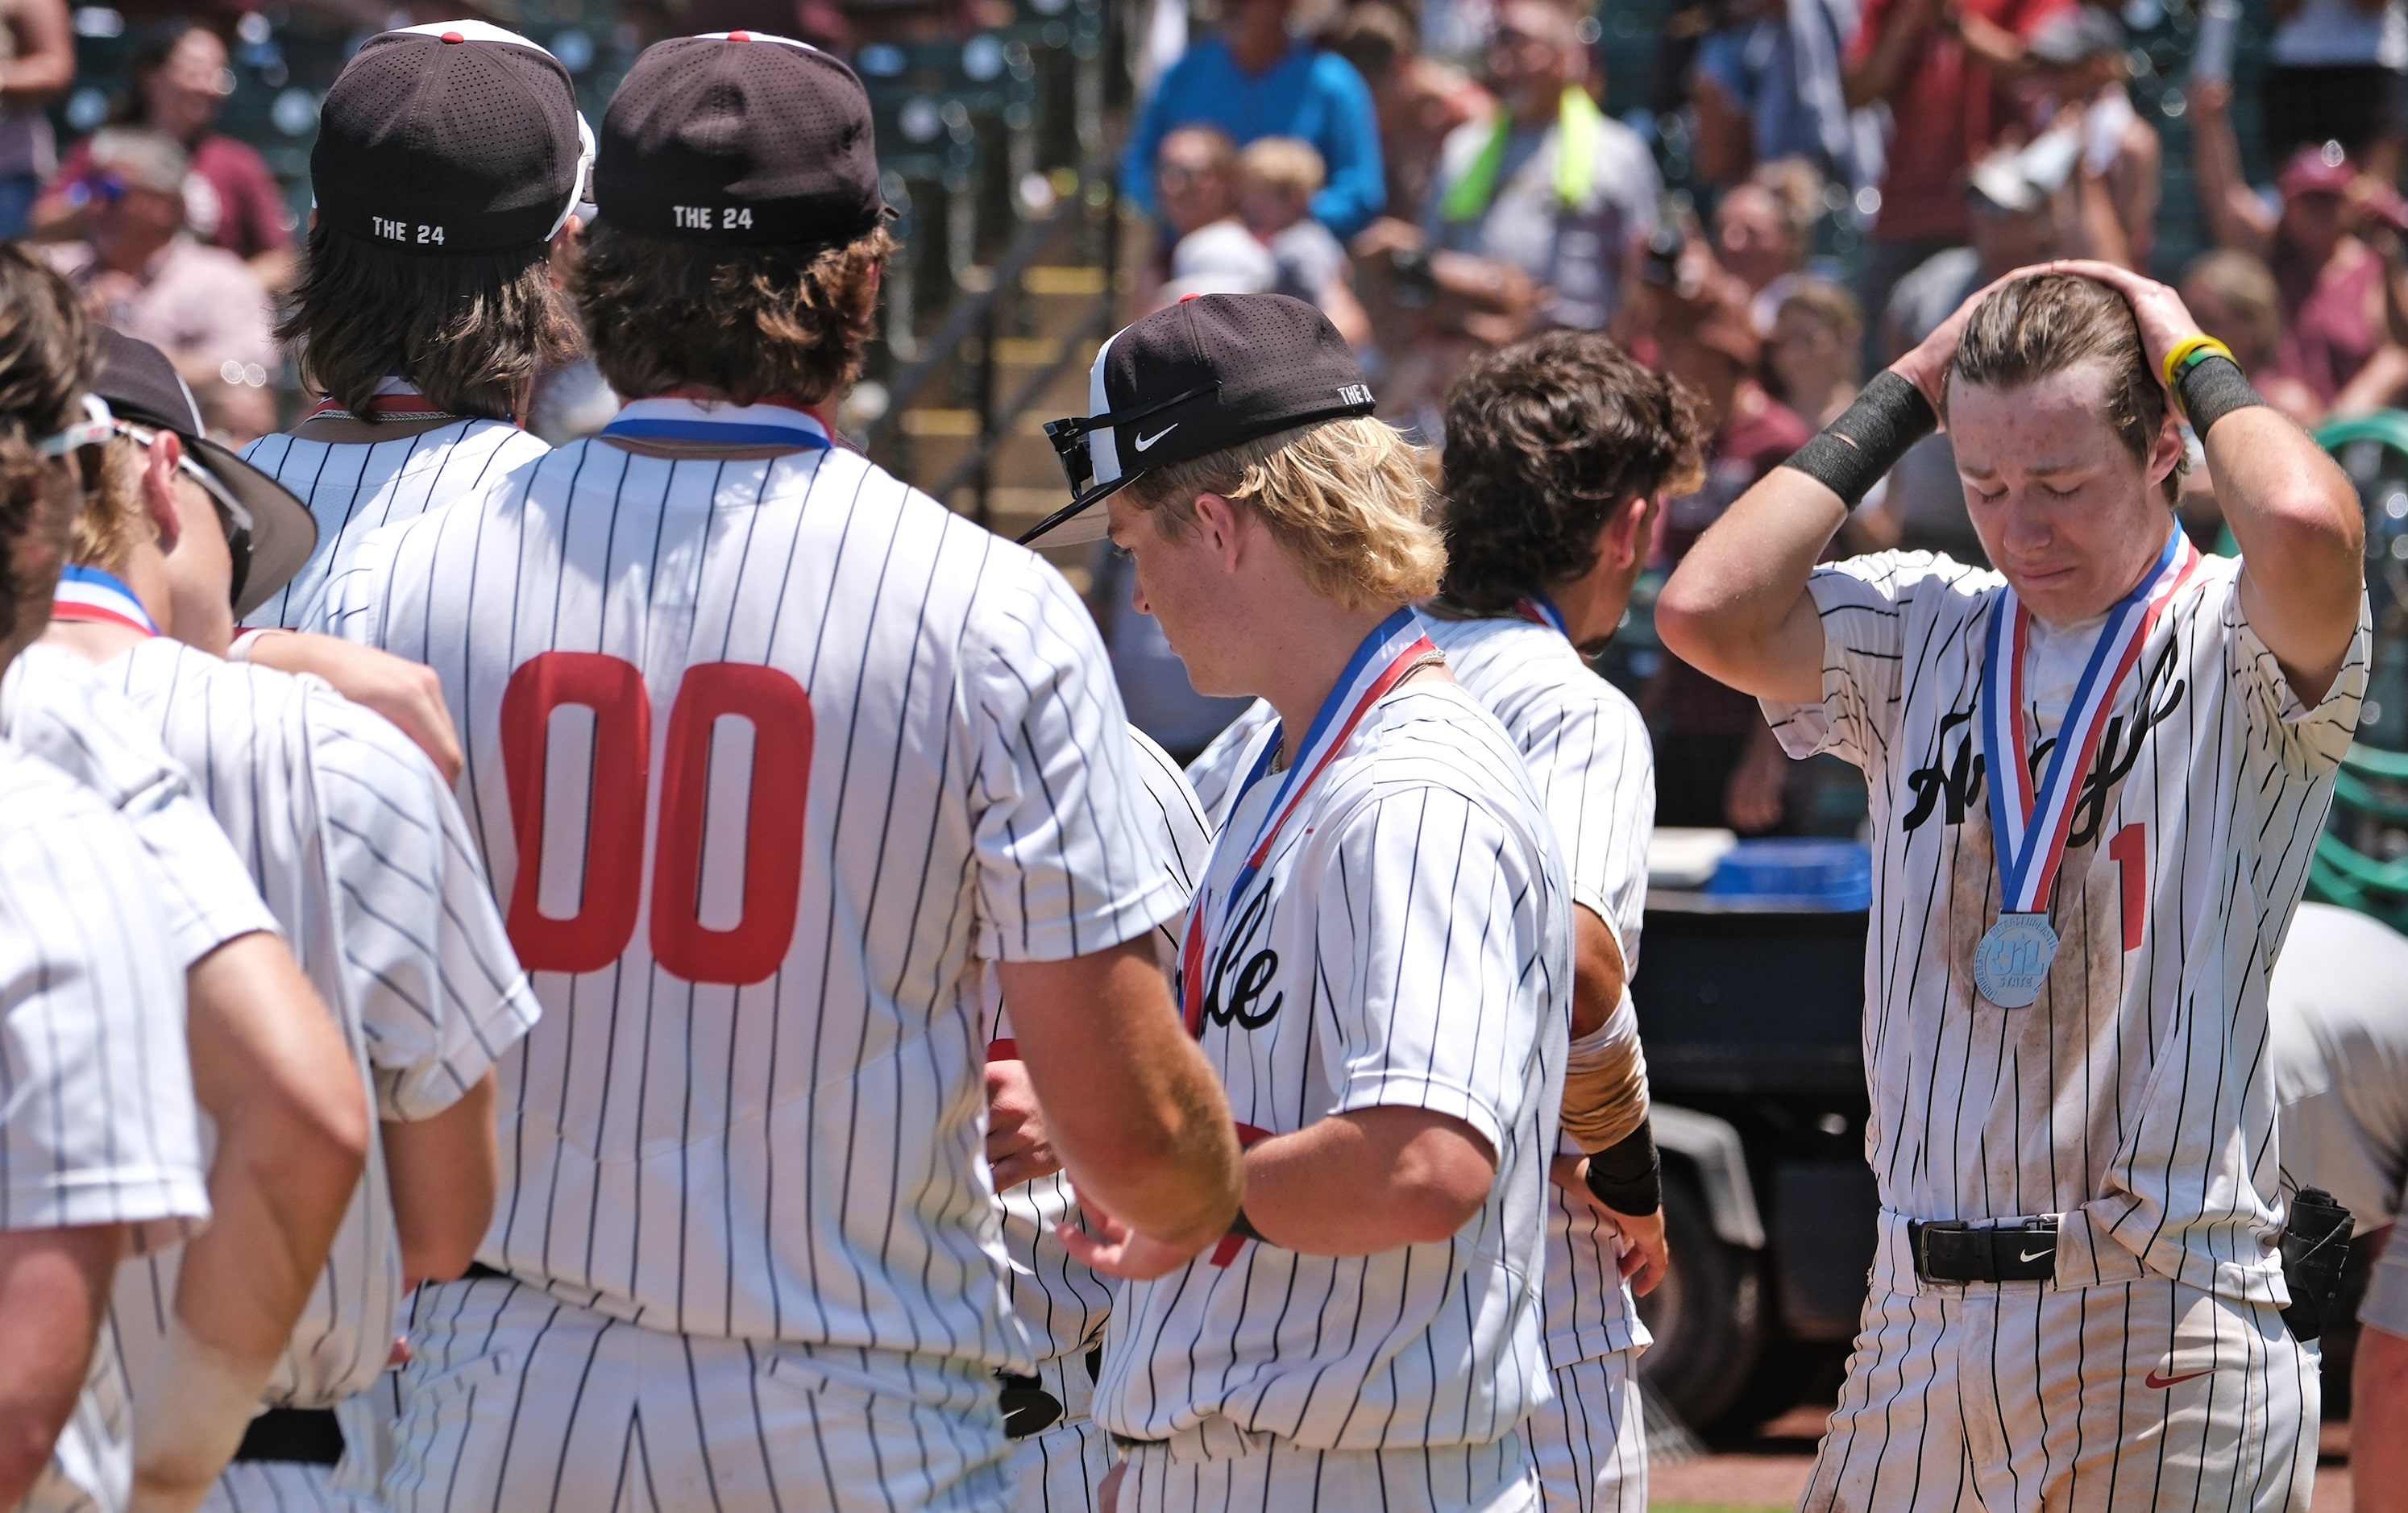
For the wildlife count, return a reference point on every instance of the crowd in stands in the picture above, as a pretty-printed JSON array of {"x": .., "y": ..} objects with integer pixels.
[{"x": 1469, "y": 189}]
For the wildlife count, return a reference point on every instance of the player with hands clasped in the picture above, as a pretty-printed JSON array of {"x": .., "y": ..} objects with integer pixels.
[
  {"x": 2095, "y": 776},
  {"x": 360, "y": 850},
  {"x": 1378, "y": 962},
  {"x": 773, "y": 760}
]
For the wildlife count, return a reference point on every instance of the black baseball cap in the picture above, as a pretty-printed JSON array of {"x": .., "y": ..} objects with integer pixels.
[
  {"x": 449, "y": 138},
  {"x": 1208, "y": 372},
  {"x": 739, "y": 138},
  {"x": 270, "y": 532}
]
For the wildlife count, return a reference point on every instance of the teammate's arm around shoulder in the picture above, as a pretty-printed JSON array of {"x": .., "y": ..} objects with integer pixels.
[
  {"x": 2292, "y": 510},
  {"x": 1738, "y": 608}
]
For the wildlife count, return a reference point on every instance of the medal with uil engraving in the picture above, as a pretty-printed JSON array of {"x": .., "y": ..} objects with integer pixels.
[
  {"x": 2028, "y": 820},
  {"x": 2012, "y": 959}
]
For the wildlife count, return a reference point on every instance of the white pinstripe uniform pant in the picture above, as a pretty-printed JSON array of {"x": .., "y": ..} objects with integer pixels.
[
  {"x": 1179, "y": 1477},
  {"x": 1057, "y": 1469},
  {"x": 284, "y": 1487},
  {"x": 2136, "y": 1393},
  {"x": 1589, "y": 1441},
  {"x": 522, "y": 1400}
]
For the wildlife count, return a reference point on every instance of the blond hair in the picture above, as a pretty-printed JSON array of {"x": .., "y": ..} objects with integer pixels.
[
  {"x": 1288, "y": 164},
  {"x": 1345, "y": 499},
  {"x": 113, "y": 520}
]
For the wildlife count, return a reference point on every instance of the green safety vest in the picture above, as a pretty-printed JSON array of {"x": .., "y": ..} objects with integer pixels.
[{"x": 1576, "y": 126}]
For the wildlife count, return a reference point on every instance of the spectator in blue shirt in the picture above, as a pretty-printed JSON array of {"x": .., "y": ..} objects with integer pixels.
[{"x": 1253, "y": 80}]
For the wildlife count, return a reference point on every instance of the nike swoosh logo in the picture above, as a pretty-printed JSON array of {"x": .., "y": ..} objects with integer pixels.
[
  {"x": 2154, "y": 1380},
  {"x": 1144, "y": 442},
  {"x": 2027, "y": 1257}
]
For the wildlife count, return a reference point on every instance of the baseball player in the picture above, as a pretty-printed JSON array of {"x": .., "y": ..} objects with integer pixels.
[
  {"x": 268, "y": 1066},
  {"x": 768, "y": 755},
  {"x": 358, "y": 847},
  {"x": 1378, "y": 961},
  {"x": 99, "y": 1147},
  {"x": 2096, "y": 776},
  {"x": 2339, "y": 1007},
  {"x": 1558, "y": 454},
  {"x": 1059, "y": 1458},
  {"x": 449, "y": 158}
]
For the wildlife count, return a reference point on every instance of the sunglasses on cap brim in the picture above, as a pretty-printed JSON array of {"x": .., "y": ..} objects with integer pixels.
[
  {"x": 1069, "y": 438},
  {"x": 100, "y": 425}
]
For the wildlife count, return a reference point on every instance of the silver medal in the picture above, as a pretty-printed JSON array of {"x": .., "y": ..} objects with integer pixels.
[{"x": 2012, "y": 961}]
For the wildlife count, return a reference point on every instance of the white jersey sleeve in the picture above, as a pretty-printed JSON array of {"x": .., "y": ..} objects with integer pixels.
[
  {"x": 1862, "y": 602},
  {"x": 1059, "y": 872},
  {"x": 98, "y": 1125},
  {"x": 51, "y": 704}
]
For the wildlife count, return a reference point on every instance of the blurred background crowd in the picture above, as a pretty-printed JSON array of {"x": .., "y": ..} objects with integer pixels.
[{"x": 1768, "y": 198}]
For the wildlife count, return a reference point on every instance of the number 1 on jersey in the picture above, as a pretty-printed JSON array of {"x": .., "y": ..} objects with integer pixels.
[
  {"x": 619, "y": 793},
  {"x": 2131, "y": 849}
]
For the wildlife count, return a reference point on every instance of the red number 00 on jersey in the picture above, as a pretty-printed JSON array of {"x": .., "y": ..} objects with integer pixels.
[{"x": 779, "y": 713}]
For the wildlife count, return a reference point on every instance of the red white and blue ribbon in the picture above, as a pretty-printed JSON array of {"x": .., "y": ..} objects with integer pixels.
[
  {"x": 87, "y": 594},
  {"x": 1541, "y": 610},
  {"x": 396, "y": 399},
  {"x": 717, "y": 424},
  {"x": 2029, "y": 825},
  {"x": 1377, "y": 666}
]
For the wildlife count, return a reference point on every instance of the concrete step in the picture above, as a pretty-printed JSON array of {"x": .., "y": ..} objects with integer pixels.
[
  {"x": 936, "y": 440},
  {"x": 1057, "y": 299}
]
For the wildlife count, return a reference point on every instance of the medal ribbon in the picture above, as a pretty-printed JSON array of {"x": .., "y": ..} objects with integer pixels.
[
  {"x": 2027, "y": 826},
  {"x": 772, "y": 422},
  {"x": 1541, "y": 610},
  {"x": 1377, "y": 666},
  {"x": 87, "y": 594},
  {"x": 396, "y": 399}
]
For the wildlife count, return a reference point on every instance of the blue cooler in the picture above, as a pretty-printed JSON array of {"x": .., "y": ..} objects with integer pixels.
[{"x": 1823, "y": 876}]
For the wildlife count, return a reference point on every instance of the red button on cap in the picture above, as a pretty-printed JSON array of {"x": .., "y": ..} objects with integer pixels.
[
  {"x": 739, "y": 36},
  {"x": 453, "y": 36}
]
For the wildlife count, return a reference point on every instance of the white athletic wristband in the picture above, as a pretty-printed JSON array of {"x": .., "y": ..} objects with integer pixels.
[
  {"x": 243, "y": 643},
  {"x": 189, "y": 1413}
]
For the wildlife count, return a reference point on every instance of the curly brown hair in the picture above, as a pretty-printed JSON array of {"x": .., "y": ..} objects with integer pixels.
[
  {"x": 749, "y": 322},
  {"x": 48, "y": 355},
  {"x": 1545, "y": 441},
  {"x": 470, "y": 332}
]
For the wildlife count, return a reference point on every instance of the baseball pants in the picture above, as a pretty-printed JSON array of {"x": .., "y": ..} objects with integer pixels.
[
  {"x": 1057, "y": 1469},
  {"x": 2136, "y": 1393},
  {"x": 1590, "y": 1442},
  {"x": 285, "y": 1487},
  {"x": 517, "y": 1399},
  {"x": 1172, "y": 1477}
]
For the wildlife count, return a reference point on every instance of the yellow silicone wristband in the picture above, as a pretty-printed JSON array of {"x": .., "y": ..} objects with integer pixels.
[{"x": 2189, "y": 349}]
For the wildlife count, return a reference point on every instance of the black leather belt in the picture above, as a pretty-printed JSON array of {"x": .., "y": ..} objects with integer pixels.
[
  {"x": 1953, "y": 1251},
  {"x": 309, "y": 1436},
  {"x": 479, "y": 1271}
]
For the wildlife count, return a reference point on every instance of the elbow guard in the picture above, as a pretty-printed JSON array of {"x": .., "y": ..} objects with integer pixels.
[{"x": 1628, "y": 1178}]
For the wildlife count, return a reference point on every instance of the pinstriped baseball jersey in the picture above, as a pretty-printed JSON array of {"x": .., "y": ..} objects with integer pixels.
[
  {"x": 2137, "y": 1087},
  {"x": 353, "y": 486},
  {"x": 52, "y": 705},
  {"x": 766, "y": 757},
  {"x": 1405, "y": 943},
  {"x": 98, "y": 1125},
  {"x": 363, "y": 854},
  {"x": 1590, "y": 759},
  {"x": 1062, "y": 1301}
]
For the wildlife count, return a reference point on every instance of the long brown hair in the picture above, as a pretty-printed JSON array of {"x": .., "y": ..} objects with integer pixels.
[
  {"x": 749, "y": 322},
  {"x": 2047, "y": 323},
  {"x": 48, "y": 354}
]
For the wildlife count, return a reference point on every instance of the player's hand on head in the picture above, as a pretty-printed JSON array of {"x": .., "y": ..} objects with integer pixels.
[
  {"x": 405, "y": 693},
  {"x": 2165, "y": 322},
  {"x": 1112, "y": 1247},
  {"x": 1926, "y": 367},
  {"x": 1016, "y": 1143}
]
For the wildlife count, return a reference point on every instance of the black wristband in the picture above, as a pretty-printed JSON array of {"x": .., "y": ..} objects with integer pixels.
[
  {"x": 1850, "y": 455},
  {"x": 1243, "y": 1228},
  {"x": 2212, "y": 388},
  {"x": 1627, "y": 1177}
]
